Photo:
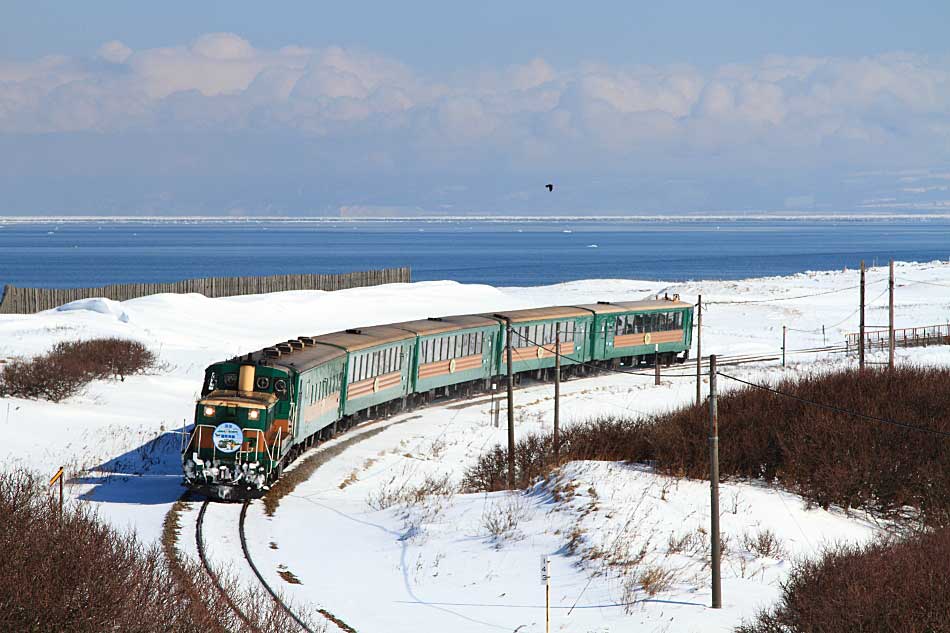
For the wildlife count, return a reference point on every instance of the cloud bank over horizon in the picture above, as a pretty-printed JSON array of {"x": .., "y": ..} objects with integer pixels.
[{"x": 220, "y": 125}]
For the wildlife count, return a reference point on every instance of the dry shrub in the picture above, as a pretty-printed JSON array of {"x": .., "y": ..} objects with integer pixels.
[
  {"x": 69, "y": 366},
  {"x": 887, "y": 586},
  {"x": 501, "y": 518},
  {"x": 77, "y": 574},
  {"x": 655, "y": 579},
  {"x": 391, "y": 494},
  {"x": 830, "y": 458},
  {"x": 763, "y": 543}
]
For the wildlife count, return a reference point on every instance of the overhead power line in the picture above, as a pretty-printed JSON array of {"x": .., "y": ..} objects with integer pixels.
[{"x": 774, "y": 299}]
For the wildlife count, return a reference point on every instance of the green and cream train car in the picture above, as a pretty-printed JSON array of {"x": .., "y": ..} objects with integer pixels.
[{"x": 257, "y": 412}]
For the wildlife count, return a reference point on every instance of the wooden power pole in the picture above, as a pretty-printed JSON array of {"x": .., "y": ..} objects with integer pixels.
[
  {"x": 557, "y": 393},
  {"x": 714, "y": 486},
  {"x": 861, "y": 329},
  {"x": 511, "y": 407},
  {"x": 699, "y": 351},
  {"x": 890, "y": 320},
  {"x": 784, "y": 335}
]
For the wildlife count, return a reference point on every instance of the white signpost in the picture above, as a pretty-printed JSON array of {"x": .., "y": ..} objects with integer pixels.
[{"x": 546, "y": 581}]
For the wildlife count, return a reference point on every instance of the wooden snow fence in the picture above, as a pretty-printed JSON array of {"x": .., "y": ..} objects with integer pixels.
[{"x": 29, "y": 300}]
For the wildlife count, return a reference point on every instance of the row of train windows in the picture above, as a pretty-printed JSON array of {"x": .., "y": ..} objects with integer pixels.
[
  {"x": 545, "y": 334},
  {"x": 448, "y": 347},
  {"x": 649, "y": 322},
  {"x": 317, "y": 391},
  {"x": 371, "y": 364}
]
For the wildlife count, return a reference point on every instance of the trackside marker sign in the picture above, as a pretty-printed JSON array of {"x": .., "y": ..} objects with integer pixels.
[{"x": 227, "y": 437}]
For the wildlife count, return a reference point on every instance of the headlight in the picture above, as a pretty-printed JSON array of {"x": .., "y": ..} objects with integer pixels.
[
  {"x": 253, "y": 414},
  {"x": 209, "y": 412}
]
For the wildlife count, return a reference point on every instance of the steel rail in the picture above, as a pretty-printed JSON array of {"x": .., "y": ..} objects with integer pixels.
[{"x": 199, "y": 541}]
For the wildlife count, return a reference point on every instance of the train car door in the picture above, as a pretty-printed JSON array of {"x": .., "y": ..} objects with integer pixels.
[{"x": 609, "y": 327}]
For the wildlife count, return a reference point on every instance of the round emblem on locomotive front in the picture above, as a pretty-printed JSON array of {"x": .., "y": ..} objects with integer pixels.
[
  {"x": 540, "y": 352},
  {"x": 227, "y": 437},
  {"x": 376, "y": 384},
  {"x": 646, "y": 338},
  {"x": 452, "y": 366}
]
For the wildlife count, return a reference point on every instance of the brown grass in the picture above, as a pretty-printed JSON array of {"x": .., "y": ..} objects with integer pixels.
[{"x": 827, "y": 457}]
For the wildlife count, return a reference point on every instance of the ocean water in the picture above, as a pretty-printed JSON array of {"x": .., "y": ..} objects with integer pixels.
[{"x": 497, "y": 252}]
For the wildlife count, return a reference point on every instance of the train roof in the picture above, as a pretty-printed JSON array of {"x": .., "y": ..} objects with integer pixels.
[
  {"x": 653, "y": 304},
  {"x": 361, "y": 338},
  {"x": 602, "y": 307},
  {"x": 538, "y": 314},
  {"x": 424, "y": 327},
  {"x": 614, "y": 307},
  {"x": 300, "y": 353}
]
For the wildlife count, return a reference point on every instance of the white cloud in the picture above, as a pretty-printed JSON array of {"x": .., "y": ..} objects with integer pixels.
[{"x": 794, "y": 108}]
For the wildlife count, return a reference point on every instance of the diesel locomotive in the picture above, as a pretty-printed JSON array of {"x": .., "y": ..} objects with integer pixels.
[{"x": 258, "y": 411}]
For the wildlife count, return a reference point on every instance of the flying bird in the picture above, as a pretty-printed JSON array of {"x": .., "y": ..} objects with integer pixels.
[{"x": 550, "y": 187}]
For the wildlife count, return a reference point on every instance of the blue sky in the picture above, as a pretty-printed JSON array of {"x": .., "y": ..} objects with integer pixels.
[{"x": 427, "y": 107}]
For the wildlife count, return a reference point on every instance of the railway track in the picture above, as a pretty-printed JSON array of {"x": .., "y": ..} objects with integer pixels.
[
  {"x": 206, "y": 565},
  {"x": 203, "y": 558}
]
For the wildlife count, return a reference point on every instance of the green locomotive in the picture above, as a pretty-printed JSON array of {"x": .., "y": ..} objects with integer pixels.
[{"x": 257, "y": 412}]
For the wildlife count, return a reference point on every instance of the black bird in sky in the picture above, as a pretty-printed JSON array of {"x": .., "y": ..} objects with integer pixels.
[{"x": 550, "y": 187}]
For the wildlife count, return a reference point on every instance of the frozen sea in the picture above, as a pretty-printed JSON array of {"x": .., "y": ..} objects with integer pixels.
[{"x": 498, "y": 252}]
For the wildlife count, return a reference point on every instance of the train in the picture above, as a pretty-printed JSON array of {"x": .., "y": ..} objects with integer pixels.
[{"x": 259, "y": 411}]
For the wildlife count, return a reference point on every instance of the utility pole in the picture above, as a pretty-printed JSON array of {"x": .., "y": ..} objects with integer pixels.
[
  {"x": 784, "y": 332},
  {"x": 557, "y": 392},
  {"x": 511, "y": 408},
  {"x": 861, "y": 331},
  {"x": 699, "y": 351},
  {"x": 656, "y": 364},
  {"x": 890, "y": 320},
  {"x": 714, "y": 486}
]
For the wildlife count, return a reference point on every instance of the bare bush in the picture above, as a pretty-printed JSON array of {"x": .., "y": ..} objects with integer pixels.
[
  {"x": 763, "y": 543},
  {"x": 69, "y": 366},
  {"x": 71, "y": 572},
  {"x": 886, "y": 586},
  {"x": 501, "y": 518},
  {"x": 393, "y": 494},
  {"x": 828, "y": 457},
  {"x": 655, "y": 579}
]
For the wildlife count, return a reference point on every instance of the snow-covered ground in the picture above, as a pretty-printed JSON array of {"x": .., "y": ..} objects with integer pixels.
[{"x": 449, "y": 561}]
